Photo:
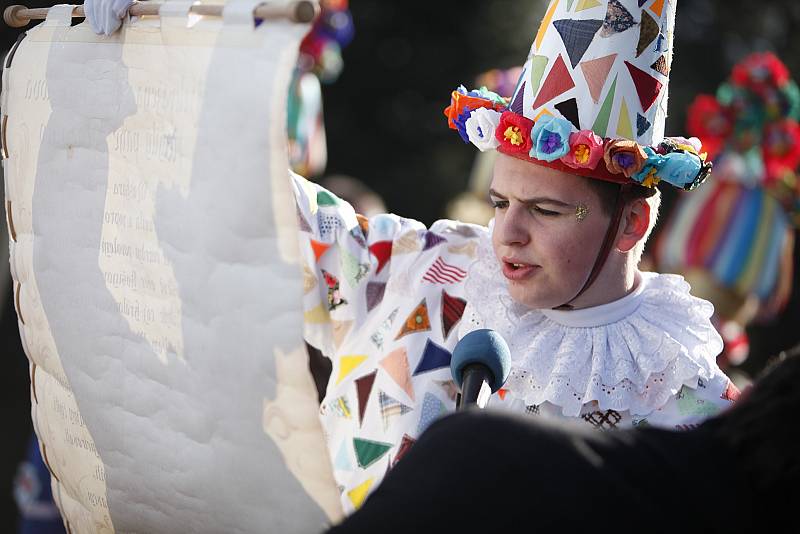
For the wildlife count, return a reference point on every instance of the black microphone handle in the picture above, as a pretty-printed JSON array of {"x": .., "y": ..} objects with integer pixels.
[{"x": 472, "y": 379}]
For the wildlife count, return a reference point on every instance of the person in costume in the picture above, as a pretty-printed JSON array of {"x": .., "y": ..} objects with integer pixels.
[
  {"x": 580, "y": 151},
  {"x": 734, "y": 240}
]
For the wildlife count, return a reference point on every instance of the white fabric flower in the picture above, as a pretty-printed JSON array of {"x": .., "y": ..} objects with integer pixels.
[{"x": 481, "y": 125}]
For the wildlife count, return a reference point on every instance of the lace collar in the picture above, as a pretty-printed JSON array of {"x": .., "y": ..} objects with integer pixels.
[{"x": 632, "y": 354}]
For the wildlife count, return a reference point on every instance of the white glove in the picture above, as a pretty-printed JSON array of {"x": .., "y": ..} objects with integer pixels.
[{"x": 105, "y": 16}]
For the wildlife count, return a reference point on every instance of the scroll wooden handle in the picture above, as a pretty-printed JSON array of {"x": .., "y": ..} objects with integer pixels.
[{"x": 299, "y": 11}]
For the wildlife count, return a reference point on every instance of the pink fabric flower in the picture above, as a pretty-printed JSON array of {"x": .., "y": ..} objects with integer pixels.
[{"x": 585, "y": 150}]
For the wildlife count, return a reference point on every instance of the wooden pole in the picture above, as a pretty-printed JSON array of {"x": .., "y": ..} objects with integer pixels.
[{"x": 300, "y": 11}]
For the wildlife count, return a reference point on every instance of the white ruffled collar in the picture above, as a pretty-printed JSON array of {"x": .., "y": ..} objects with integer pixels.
[{"x": 631, "y": 354}]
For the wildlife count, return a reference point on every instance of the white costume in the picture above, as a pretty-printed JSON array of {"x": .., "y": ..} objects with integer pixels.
[{"x": 388, "y": 300}]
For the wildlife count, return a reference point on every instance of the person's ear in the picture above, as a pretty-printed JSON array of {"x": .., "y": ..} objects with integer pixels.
[{"x": 635, "y": 222}]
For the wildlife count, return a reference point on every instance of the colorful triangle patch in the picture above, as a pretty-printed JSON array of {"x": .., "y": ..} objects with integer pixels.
[
  {"x": 375, "y": 292},
  {"x": 600, "y": 126},
  {"x": 660, "y": 66},
  {"x": 417, "y": 321},
  {"x": 326, "y": 198},
  {"x": 340, "y": 407},
  {"x": 359, "y": 494},
  {"x": 642, "y": 124},
  {"x": 577, "y": 35},
  {"x": 548, "y": 17},
  {"x": 557, "y": 83},
  {"x": 358, "y": 236},
  {"x": 647, "y": 87},
  {"x": 405, "y": 446},
  {"x": 432, "y": 409},
  {"x": 657, "y": 7},
  {"x": 347, "y": 364},
  {"x": 538, "y": 66},
  {"x": 352, "y": 269},
  {"x": 583, "y": 5},
  {"x": 342, "y": 462},
  {"x": 317, "y": 315},
  {"x": 340, "y": 331},
  {"x": 335, "y": 298},
  {"x": 328, "y": 225},
  {"x": 396, "y": 366},
  {"x": 648, "y": 31},
  {"x": 368, "y": 452},
  {"x": 452, "y": 311},
  {"x": 433, "y": 357},
  {"x": 517, "y": 105},
  {"x": 469, "y": 248},
  {"x": 364, "y": 389},
  {"x": 382, "y": 250},
  {"x": 390, "y": 408},
  {"x": 406, "y": 243},
  {"x": 569, "y": 110},
  {"x": 624, "y": 129},
  {"x": 319, "y": 248},
  {"x": 431, "y": 240},
  {"x": 596, "y": 73},
  {"x": 379, "y": 335},
  {"x": 618, "y": 19}
]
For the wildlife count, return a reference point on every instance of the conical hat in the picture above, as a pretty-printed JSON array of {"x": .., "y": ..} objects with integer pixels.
[{"x": 592, "y": 97}]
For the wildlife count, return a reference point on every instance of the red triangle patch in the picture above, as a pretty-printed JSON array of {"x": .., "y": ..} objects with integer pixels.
[
  {"x": 364, "y": 388},
  {"x": 647, "y": 87},
  {"x": 382, "y": 250},
  {"x": 319, "y": 248},
  {"x": 557, "y": 83}
]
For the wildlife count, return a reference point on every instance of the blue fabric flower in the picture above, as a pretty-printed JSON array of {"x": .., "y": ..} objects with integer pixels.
[
  {"x": 676, "y": 168},
  {"x": 550, "y": 136},
  {"x": 461, "y": 124}
]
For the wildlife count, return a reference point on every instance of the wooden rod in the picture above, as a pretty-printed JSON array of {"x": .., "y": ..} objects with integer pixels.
[{"x": 299, "y": 11}]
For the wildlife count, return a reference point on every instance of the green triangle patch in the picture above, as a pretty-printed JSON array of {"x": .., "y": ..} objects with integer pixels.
[
  {"x": 538, "y": 64},
  {"x": 368, "y": 452},
  {"x": 600, "y": 126},
  {"x": 324, "y": 198}
]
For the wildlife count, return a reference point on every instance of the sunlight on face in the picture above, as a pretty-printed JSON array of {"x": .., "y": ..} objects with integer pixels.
[{"x": 545, "y": 252}]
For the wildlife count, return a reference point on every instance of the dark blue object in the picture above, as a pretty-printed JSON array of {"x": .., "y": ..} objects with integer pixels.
[{"x": 482, "y": 347}]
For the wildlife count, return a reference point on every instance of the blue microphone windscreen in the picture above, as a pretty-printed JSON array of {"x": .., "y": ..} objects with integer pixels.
[{"x": 485, "y": 347}]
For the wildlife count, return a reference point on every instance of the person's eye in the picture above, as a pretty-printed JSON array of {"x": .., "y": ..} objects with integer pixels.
[
  {"x": 544, "y": 212},
  {"x": 499, "y": 204}
]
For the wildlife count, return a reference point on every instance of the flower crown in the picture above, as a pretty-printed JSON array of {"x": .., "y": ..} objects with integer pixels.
[
  {"x": 482, "y": 118},
  {"x": 754, "y": 118}
]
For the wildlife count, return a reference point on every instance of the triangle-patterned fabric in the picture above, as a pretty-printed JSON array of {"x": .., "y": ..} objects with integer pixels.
[
  {"x": 417, "y": 321},
  {"x": 347, "y": 364},
  {"x": 569, "y": 110},
  {"x": 432, "y": 409},
  {"x": 364, "y": 389},
  {"x": 600, "y": 125},
  {"x": 558, "y": 82},
  {"x": 452, "y": 311},
  {"x": 596, "y": 73},
  {"x": 648, "y": 31},
  {"x": 577, "y": 35},
  {"x": 618, "y": 19},
  {"x": 382, "y": 250},
  {"x": 433, "y": 357},
  {"x": 396, "y": 366},
  {"x": 405, "y": 446},
  {"x": 375, "y": 292},
  {"x": 642, "y": 124},
  {"x": 624, "y": 129},
  {"x": 359, "y": 494},
  {"x": 647, "y": 87},
  {"x": 538, "y": 66},
  {"x": 583, "y": 5},
  {"x": 368, "y": 452}
]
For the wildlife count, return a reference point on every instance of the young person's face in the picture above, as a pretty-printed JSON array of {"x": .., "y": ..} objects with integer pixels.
[{"x": 545, "y": 251}]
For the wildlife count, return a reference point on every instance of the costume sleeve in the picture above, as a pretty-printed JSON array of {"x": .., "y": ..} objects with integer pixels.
[{"x": 691, "y": 406}]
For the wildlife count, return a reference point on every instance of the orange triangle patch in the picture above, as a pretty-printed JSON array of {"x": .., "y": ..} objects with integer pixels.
[
  {"x": 417, "y": 321},
  {"x": 319, "y": 248},
  {"x": 657, "y": 7}
]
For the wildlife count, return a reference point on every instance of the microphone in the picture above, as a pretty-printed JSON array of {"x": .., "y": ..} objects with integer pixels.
[{"x": 481, "y": 362}]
